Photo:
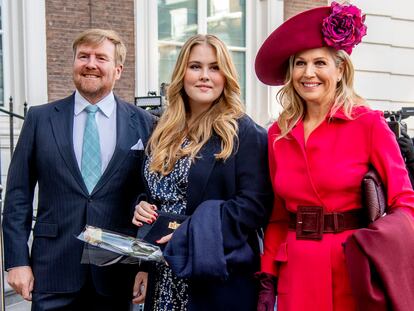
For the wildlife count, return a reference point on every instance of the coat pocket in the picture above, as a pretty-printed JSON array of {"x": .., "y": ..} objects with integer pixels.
[{"x": 43, "y": 229}]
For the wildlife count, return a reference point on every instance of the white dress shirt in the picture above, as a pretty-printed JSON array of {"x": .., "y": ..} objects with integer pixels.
[{"x": 106, "y": 122}]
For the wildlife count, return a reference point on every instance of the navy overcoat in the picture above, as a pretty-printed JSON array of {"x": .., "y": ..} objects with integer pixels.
[{"x": 227, "y": 201}]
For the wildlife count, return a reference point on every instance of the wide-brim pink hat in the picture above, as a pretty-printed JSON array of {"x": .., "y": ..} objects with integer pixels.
[{"x": 337, "y": 26}]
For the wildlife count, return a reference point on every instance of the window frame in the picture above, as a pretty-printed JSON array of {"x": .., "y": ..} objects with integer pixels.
[
  {"x": 262, "y": 17},
  {"x": 24, "y": 53},
  {"x": 147, "y": 45}
]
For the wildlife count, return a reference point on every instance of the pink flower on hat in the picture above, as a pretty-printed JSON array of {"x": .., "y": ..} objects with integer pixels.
[{"x": 344, "y": 28}]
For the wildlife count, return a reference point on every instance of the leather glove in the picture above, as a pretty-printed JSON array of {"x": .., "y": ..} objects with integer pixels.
[
  {"x": 267, "y": 291},
  {"x": 406, "y": 146}
]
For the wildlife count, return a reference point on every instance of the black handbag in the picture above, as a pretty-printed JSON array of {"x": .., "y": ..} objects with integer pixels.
[
  {"x": 374, "y": 197},
  {"x": 165, "y": 224}
]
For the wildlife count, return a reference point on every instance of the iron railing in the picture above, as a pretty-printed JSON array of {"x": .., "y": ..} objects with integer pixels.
[{"x": 12, "y": 116}]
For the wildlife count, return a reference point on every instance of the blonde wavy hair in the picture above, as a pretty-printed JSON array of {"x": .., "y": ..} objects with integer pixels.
[
  {"x": 294, "y": 107},
  {"x": 166, "y": 142}
]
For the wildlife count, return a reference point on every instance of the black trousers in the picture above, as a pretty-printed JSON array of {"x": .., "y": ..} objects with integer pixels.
[{"x": 87, "y": 299}]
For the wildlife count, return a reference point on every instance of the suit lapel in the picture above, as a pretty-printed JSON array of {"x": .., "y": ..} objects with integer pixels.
[
  {"x": 200, "y": 173},
  {"x": 127, "y": 134},
  {"x": 62, "y": 127}
]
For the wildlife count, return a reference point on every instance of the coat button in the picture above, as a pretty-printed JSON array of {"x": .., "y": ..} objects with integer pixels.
[{"x": 90, "y": 200}]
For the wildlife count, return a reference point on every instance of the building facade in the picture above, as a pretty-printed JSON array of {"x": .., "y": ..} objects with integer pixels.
[
  {"x": 36, "y": 56},
  {"x": 36, "y": 36}
]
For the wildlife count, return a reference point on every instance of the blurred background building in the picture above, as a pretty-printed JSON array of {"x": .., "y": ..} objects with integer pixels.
[
  {"x": 36, "y": 55},
  {"x": 36, "y": 36}
]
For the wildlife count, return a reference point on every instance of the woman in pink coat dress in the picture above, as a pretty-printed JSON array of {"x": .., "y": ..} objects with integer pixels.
[{"x": 321, "y": 146}]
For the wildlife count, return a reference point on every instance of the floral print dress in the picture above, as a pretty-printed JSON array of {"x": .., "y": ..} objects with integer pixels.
[{"x": 170, "y": 293}]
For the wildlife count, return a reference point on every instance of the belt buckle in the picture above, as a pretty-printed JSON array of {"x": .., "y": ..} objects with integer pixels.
[{"x": 309, "y": 223}]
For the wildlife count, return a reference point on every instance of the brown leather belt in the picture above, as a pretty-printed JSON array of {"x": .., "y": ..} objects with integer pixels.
[{"x": 310, "y": 222}]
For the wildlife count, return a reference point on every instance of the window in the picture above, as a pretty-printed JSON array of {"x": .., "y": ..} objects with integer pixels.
[
  {"x": 177, "y": 21},
  {"x": 180, "y": 19}
]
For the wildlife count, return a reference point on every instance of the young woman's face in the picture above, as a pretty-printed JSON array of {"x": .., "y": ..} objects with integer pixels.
[
  {"x": 315, "y": 76},
  {"x": 203, "y": 79}
]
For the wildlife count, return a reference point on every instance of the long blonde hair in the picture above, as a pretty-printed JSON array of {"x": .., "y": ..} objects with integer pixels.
[
  {"x": 294, "y": 107},
  {"x": 165, "y": 144}
]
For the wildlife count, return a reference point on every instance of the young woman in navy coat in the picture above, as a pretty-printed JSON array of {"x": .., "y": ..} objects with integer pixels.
[{"x": 208, "y": 160}]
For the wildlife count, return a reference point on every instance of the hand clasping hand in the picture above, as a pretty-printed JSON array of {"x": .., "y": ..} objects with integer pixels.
[{"x": 145, "y": 212}]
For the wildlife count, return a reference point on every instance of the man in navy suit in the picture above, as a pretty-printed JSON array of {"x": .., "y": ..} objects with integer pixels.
[{"x": 51, "y": 153}]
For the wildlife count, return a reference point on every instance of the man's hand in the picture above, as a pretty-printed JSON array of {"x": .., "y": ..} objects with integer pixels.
[
  {"x": 140, "y": 287},
  {"x": 21, "y": 280}
]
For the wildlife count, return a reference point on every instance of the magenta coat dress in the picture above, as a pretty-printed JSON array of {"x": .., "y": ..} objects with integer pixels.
[{"x": 326, "y": 172}]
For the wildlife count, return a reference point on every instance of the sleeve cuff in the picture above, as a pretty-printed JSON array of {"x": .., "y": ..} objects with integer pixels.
[{"x": 269, "y": 265}]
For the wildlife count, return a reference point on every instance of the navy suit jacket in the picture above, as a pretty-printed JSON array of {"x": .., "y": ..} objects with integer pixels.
[{"x": 45, "y": 156}]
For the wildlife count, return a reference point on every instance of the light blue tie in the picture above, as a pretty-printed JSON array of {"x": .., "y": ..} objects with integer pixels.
[{"x": 91, "y": 150}]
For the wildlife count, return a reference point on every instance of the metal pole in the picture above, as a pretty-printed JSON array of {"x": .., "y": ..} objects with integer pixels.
[
  {"x": 24, "y": 109},
  {"x": 11, "y": 126}
]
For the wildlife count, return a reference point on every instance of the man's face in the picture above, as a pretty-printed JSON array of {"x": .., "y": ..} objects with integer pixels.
[{"x": 94, "y": 70}]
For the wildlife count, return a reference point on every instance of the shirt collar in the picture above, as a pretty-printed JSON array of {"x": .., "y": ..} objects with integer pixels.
[{"x": 106, "y": 105}]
